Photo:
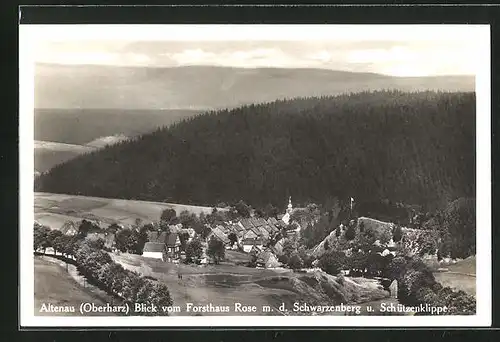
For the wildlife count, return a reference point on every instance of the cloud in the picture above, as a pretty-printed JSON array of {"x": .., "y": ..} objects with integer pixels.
[{"x": 260, "y": 57}]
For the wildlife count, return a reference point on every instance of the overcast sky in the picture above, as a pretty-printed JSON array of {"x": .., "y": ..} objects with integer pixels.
[{"x": 398, "y": 51}]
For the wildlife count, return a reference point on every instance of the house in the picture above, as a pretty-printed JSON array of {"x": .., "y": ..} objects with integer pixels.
[
  {"x": 250, "y": 234},
  {"x": 261, "y": 222},
  {"x": 278, "y": 247},
  {"x": 255, "y": 222},
  {"x": 268, "y": 229},
  {"x": 256, "y": 231},
  {"x": 173, "y": 244},
  {"x": 175, "y": 228},
  {"x": 245, "y": 224},
  {"x": 219, "y": 234},
  {"x": 272, "y": 221},
  {"x": 224, "y": 229},
  {"x": 267, "y": 259},
  {"x": 156, "y": 250},
  {"x": 69, "y": 228},
  {"x": 263, "y": 232},
  {"x": 248, "y": 244},
  {"x": 256, "y": 250},
  {"x": 171, "y": 241}
]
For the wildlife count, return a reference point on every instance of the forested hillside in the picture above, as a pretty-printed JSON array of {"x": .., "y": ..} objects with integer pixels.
[{"x": 416, "y": 148}]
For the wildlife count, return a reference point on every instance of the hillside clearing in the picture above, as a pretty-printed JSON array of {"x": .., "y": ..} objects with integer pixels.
[
  {"x": 54, "y": 286},
  {"x": 460, "y": 276},
  {"x": 54, "y": 210},
  {"x": 227, "y": 283}
]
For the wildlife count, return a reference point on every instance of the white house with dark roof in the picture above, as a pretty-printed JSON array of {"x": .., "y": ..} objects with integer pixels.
[
  {"x": 156, "y": 250},
  {"x": 249, "y": 244},
  {"x": 69, "y": 228},
  {"x": 267, "y": 259}
]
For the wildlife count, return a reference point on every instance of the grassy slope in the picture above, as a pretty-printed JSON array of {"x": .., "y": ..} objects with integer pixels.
[
  {"x": 55, "y": 209},
  {"x": 227, "y": 283},
  {"x": 49, "y": 154},
  {"x": 80, "y": 126},
  {"x": 460, "y": 276},
  {"x": 53, "y": 285}
]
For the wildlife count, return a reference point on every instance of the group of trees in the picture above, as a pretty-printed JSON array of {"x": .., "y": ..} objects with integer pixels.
[
  {"x": 360, "y": 262},
  {"x": 216, "y": 250},
  {"x": 311, "y": 148},
  {"x": 132, "y": 240},
  {"x": 295, "y": 255},
  {"x": 416, "y": 282},
  {"x": 194, "y": 250},
  {"x": 457, "y": 228},
  {"x": 98, "y": 267}
]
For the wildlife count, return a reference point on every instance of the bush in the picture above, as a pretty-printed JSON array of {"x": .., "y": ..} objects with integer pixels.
[
  {"x": 194, "y": 250},
  {"x": 216, "y": 250},
  {"x": 417, "y": 285},
  {"x": 295, "y": 261},
  {"x": 350, "y": 233},
  {"x": 168, "y": 215},
  {"x": 397, "y": 233},
  {"x": 332, "y": 262}
]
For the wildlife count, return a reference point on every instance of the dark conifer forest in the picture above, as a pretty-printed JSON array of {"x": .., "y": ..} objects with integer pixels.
[{"x": 416, "y": 148}]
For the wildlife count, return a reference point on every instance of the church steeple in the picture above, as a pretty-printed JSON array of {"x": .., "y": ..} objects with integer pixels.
[{"x": 290, "y": 207}]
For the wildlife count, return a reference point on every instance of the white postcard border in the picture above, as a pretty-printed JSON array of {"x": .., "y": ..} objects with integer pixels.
[{"x": 28, "y": 35}]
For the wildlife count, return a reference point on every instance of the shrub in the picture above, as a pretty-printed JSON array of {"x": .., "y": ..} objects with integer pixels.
[
  {"x": 295, "y": 261},
  {"x": 332, "y": 262},
  {"x": 397, "y": 233},
  {"x": 350, "y": 233}
]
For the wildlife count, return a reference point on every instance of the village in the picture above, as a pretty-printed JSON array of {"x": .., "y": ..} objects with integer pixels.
[{"x": 256, "y": 236}]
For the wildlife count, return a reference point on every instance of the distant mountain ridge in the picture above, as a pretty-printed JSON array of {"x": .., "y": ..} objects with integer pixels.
[{"x": 209, "y": 87}]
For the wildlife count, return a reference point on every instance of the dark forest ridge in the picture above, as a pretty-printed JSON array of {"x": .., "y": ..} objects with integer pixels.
[
  {"x": 210, "y": 87},
  {"x": 416, "y": 148}
]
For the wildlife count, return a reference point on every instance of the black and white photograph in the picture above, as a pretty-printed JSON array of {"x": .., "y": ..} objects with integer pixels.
[{"x": 255, "y": 175}]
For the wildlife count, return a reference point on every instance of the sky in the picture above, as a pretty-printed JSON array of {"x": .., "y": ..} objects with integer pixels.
[{"x": 404, "y": 50}]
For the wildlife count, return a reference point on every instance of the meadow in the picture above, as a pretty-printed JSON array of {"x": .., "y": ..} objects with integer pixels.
[
  {"x": 229, "y": 283},
  {"x": 460, "y": 276},
  {"x": 54, "y": 210},
  {"x": 53, "y": 285}
]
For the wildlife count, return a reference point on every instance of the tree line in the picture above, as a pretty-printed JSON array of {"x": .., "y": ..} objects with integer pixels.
[
  {"x": 416, "y": 282},
  {"x": 416, "y": 148}
]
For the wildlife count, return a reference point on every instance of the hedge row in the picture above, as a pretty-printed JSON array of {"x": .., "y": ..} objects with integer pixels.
[
  {"x": 417, "y": 285},
  {"x": 98, "y": 267}
]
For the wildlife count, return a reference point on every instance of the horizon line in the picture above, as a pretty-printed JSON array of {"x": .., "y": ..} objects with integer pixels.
[{"x": 250, "y": 68}]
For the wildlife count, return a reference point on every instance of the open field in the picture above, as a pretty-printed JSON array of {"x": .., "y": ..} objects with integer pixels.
[
  {"x": 54, "y": 286},
  {"x": 457, "y": 281},
  {"x": 227, "y": 284},
  {"x": 48, "y": 154},
  {"x": 460, "y": 276},
  {"x": 55, "y": 209},
  {"x": 466, "y": 266}
]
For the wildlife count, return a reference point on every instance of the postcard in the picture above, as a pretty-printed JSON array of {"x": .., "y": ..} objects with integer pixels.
[{"x": 255, "y": 175}]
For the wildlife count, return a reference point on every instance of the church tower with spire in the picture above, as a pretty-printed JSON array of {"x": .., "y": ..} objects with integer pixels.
[
  {"x": 289, "y": 209},
  {"x": 288, "y": 213}
]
